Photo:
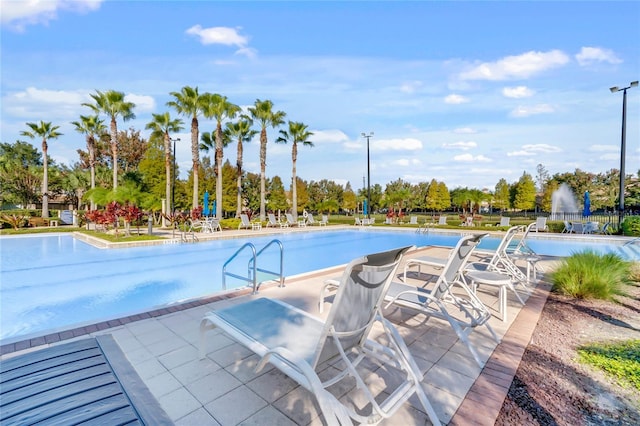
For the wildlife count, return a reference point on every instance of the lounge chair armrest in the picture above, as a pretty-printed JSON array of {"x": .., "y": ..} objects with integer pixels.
[{"x": 414, "y": 292}]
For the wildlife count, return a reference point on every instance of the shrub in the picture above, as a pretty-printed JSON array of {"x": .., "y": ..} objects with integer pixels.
[
  {"x": 631, "y": 226},
  {"x": 589, "y": 274},
  {"x": 620, "y": 360}
]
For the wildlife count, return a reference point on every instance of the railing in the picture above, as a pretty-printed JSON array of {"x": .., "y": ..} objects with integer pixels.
[{"x": 252, "y": 268}]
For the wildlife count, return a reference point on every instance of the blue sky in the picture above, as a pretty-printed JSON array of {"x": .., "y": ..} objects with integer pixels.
[{"x": 462, "y": 92}]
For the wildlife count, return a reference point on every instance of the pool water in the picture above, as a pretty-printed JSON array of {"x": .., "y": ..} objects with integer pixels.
[{"x": 53, "y": 282}]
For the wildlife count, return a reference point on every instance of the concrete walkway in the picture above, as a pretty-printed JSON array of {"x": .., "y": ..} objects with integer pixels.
[{"x": 223, "y": 389}]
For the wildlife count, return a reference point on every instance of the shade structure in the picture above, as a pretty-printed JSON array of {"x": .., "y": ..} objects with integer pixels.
[
  {"x": 205, "y": 204},
  {"x": 587, "y": 204}
]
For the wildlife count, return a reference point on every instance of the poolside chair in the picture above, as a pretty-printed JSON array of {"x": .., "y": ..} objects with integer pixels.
[
  {"x": 311, "y": 220},
  {"x": 300, "y": 345},
  {"x": 442, "y": 220},
  {"x": 272, "y": 221},
  {"x": 469, "y": 311},
  {"x": 324, "y": 221},
  {"x": 291, "y": 222},
  {"x": 500, "y": 271},
  {"x": 567, "y": 227},
  {"x": 505, "y": 220},
  {"x": 413, "y": 220},
  {"x": 541, "y": 224},
  {"x": 577, "y": 228}
]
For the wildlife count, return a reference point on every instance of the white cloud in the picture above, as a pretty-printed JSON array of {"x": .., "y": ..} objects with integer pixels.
[
  {"x": 455, "y": 99},
  {"x": 142, "y": 102},
  {"x": 465, "y": 130},
  {"x": 225, "y": 36},
  {"x": 604, "y": 148},
  {"x": 517, "y": 67},
  {"x": 410, "y": 86},
  {"x": 517, "y": 92},
  {"x": 526, "y": 111},
  {"x": 18, "y": 14},
  {"x": 534, "y": 149},
  {"x": 460, "y": 145},
  {"x": 468, "y": 158},
  {"x": 329, "y": 136},
  {"x": 590, "y": 55},
  {"x": 34, "y": 102},
  {"x": 405, "y": 144},
  {"x": 406, "y": 162}
]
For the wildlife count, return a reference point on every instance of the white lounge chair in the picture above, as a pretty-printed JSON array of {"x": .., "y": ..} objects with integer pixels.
[
  {"x": 311, "y": 220},
  {"x": 291, "y": 222},
  {"x": 300, "y": 345},
  {"x": 505, "y": 220},
  {"x": 442, "y": 220},
  {"x": 413, "y": 220},
  {"x": 541, "y": 224},
  {"x": 273, "y": 222},
  {"x": 471, "y": 312},
  {"x": 324, "y": 221},
  {"x": 245, "y": 223},
  {"x": 567, "y": 228}
]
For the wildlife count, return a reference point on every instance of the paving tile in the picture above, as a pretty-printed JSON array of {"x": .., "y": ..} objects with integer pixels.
[
  {"x": 299, "y": 405},
  {"x": 230, "y": 354},
  {"x": 165, "y": 346},
  {"x": 449, "y": 380},
  {"x": 272, "y": 385},
  {"x": 179, "y": 356},
  {"x": 178, "y": 403},
  {"x": 149, "y": 368},
  {"x": 199, "y": 417},
  {"x": 236, "y": 406},
  {"x": 212, "y": 386},
  {"x": 268, "y": 416},
  {"x": 244, "y": 369},
  {"x": 162, "y": 384},
  {"x": 194, "y": 370}
]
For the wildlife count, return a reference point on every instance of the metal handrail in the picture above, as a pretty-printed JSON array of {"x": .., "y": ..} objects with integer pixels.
[
  {"x": 252, "y": 269},
  {"x": 251, "y": 278},
  {"x": 281, "y": 273}
]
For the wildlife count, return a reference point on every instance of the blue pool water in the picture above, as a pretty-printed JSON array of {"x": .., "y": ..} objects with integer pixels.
[{"x": 52, "y": 282}]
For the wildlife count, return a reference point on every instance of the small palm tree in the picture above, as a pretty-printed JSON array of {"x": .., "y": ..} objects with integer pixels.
[
  {"x": 296, "y": 134},
  {"x": 113, "y": 104},
  {"x": 263, "y": 113},
  {"x": 91, "y": 126},
  {"x": 45, "y": 131},
  {"x": 242, "y": 132},
  {"x": 189, "y": 102},
  {"x": 219, "y": 108},
  {"x": 160, "y": 127}
]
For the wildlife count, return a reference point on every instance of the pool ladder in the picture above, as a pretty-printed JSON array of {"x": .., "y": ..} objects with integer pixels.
[{"x": 255, "y": 275}]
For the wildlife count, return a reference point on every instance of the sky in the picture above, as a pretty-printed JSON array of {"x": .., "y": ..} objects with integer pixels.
[{"x": 462, "y": 92}]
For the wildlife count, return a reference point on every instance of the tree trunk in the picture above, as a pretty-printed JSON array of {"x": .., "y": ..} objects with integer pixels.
[
  {"x": 239, "y": 179},
  {"x": 45, "y": 180},
  {"x": 263, "y": 168},
  {"x": 114, "y": 151},
  {"x": 195, "y": 154}
]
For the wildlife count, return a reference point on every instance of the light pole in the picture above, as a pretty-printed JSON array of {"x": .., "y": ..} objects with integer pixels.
[
  {"x": 173, "y": 185},
  {"x": 368, "y": 136},
  {"x": 623, "y": 143}
]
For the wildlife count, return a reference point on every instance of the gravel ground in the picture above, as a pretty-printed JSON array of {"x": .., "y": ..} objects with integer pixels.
[{"x": 552, "y": 388}]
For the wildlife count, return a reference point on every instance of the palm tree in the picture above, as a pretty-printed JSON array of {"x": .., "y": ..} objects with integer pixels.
[
  {"x": 91, "y": 126},
  {"x": 44, "y": 131},
  {"x": 262, "y": 111},
  {"x": 219, "y": 108},
  {"x": 189, "y": 102},
  {"x": 242, "y": 132},
  {"x": 113, "y": 104},
  {"x": 160, "y": 127},
  {"x": 297, "y": 133}
]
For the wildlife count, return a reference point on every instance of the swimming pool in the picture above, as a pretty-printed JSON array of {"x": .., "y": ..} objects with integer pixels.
[{"x": 56, "y": 281}]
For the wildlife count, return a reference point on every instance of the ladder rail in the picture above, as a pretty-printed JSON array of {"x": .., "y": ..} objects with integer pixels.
[
  {"x": 251, "y": 278},
  {"x": 262, "y": 250}
]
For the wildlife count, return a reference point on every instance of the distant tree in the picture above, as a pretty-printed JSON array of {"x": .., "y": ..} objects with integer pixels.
[
  {"x": 433, "y": 201},
  {"x": 161, "y": 127},
  {"x": 418, "y": 196},
  {"x": 525, "y": 193},
  {"x": 263, "y": 113},
  {"x": 114, "y": 105},
  {"x": 44, "y": 131},
  {"x": 92, "y": 127},
  {"x": 444, "y": 197},
  {"x": 277, "y": 196},
  {"x": 297, "y": 133},
  {"x": 349, "y": 199},
  {"x": 302, "y": 196},
  {"x": 241, "y": 132},
  {"x": 501, "y": 195},
  {"x": 190, "y": 103},
  {"x": 219, "y": 108},
  {"x": 152, "y": 169},
  {"x": 20, "y": 173},
  {"x": 131, "y": 148},
  {"x": 251, "y": 191},
  {"x": 229, "y": 189}
]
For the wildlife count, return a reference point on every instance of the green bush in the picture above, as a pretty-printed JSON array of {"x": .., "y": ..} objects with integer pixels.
[
  {"x": 589, "y": 274},
  {"x": 631, "y": 226}
]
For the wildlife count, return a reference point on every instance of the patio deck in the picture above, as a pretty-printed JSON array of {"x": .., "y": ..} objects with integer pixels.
[{"x": 223, "y": 389}]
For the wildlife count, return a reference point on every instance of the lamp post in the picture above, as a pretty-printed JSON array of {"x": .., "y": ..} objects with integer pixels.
[
  {"x": 368, "y": 136},
  {"x": 173, "y": 185},
  {"x": 623, "y": 143}
]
